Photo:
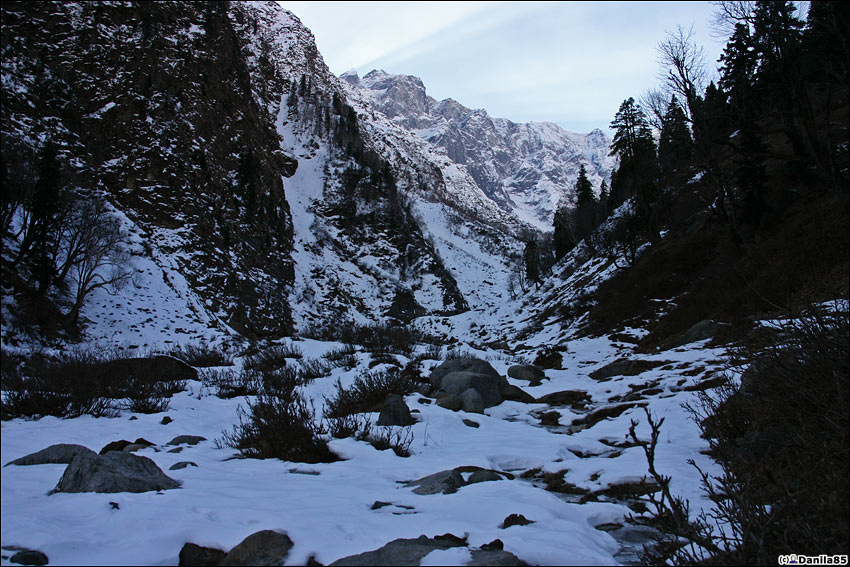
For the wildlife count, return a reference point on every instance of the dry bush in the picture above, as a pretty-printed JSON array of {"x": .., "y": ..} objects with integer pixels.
[
  {"x": 201, "y": 355},
  {"x": 368, "y": 392}
]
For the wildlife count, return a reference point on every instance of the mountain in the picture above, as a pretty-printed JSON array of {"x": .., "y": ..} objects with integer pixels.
[{"x": 527, "y": 169}]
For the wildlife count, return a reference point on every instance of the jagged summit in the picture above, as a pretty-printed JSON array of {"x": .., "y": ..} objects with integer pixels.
[{"x": 527, "y": 169}]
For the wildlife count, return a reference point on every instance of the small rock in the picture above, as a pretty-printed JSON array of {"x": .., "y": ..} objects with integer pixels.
[
  {"x": 187, "y": 439},
  {"x": 516, "y": 520},
  {"x": 395, "y": 412},
  {"x": 133, "y": 418},
  {"x": 114, "y": 506},
  {"x": 114, "y": 446},
  {"x": 196, "y": 556},
  {"x": 175, "y": 450},
  {"x": 483, "y": 476},
  {"x": 166, "y": 420},
  {"x": 29, "y": 557},
  {"x": 526, "y": 372},
  {"x": 379, "y": 504},
  {"x": 265, "y": 547},
  {"x": 495, "y": 545},
  {"x": 470, "y": 423},
  {"x": 516, "y": 394},
  {"x": 182, "y": 465}
]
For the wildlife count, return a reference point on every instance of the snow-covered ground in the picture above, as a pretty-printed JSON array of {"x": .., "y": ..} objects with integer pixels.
[{"x": 326, "y": 508}]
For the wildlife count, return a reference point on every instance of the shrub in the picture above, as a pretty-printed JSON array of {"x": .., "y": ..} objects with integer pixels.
[
  {"x": 228, "y": 383},
  {"x": 368, "y": 392},
  {"x": 150, "y": 397},
  {"x": 281, "y": 425},
  {"x": 397, "y": 439},
  {"x": 70, "y": 387},
  {"x": 781, "y": 438},
  {"x": 313, "y": 368},
  {"x": 343, "y": 356},
  {"x": 201, "y": 355},
  {"x": 271, "y": 358},
  {"x": 353, "y": 425}
]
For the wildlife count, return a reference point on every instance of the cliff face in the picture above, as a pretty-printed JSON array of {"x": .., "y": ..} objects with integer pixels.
[
  {"x": 153, "y": 105},
  {"x": 525, "y": 168}
]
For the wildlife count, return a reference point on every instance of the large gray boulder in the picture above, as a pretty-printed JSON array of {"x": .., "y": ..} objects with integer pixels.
[
  {"x": 61, "y": 453},
  {"x": 515, "y": 394},
  {"x": 474, "y": 365},
  {"x": 266, "y": 547},
  {"x": 395, "y": 412},
  {"x": 489, "y": 386},
  {"x": 113, "y": 472},
  {"x": 400, "y": 552},
  {"x": 445, "y": 482}
]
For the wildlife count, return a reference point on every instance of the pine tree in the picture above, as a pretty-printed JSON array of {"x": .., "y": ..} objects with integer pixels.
[
  {"x": 584, "y": 189},
  {"x": 675, "y": 144}
]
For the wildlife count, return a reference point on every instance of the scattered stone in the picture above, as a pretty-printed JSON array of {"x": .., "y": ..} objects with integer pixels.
[
  {"x": 401, "y": 552},
  {"x": 265, "y": 547},
  {"x": 133, "y": 447},
  {"x": 445, "y": 482},
  {"x": 527, "y": 372},
  {"x": 470, "y": 423},
  {"x": 609, "y": 527},
  {"x": 483, "y": 475},
  {"x": 113, "y": 472},
  {"x": 196, "y": 556},
  {"x": 181, "y": 465},
  {"x": 166, "y": 420},
  {"x": 133, "y": 418},
  {"x": 565, "y": 398},
  {"x": 424, "y": 401},
  {"x": 313, "y": 562},
  {"x": 29, "y": 557},
  {"x": 550, "y": 418},
  {"x": 471, "y": 401},
  {"x": 516, "y": 520},
  {"x": 495, "y": 545},
  {"x": 114, "y": 446},
  {"x": 175, "y": 450},
  {"x": 604, "y": 413},
  {"x": 114, "y": 506},
  {"x": 549, "y": 359},
  {"x": 379, "y": 504},
  {"x": 61, "y": 453},
  {"x": 395, "y": 412},
  {"x": 187, "y": 439}
]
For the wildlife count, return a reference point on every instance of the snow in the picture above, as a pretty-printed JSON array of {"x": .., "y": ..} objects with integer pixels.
[{"x": 325, "y": 508}]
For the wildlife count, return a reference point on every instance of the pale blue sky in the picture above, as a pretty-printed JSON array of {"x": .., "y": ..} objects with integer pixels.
[{"x": 568, "y": 62}]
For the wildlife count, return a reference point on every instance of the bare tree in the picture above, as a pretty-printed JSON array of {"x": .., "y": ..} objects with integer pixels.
[
  {"x": 93, "y": 253},
  {"x": 728, "y": 14},
  {"x": 682, "y": 66},
  {"x": 655, "y": 101}
]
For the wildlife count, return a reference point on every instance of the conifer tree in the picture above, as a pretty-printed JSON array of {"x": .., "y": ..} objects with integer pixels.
[{"x": 675, "y": 144}]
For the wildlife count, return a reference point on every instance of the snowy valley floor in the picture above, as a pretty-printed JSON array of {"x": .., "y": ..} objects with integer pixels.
[{"x": 327, "y": 508}]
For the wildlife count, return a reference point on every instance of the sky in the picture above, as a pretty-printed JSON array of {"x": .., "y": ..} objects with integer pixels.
[{"x": 572, "y": 63}]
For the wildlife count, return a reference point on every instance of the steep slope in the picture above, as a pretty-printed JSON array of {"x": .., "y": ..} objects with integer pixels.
[
  {"x": 153, "y": 106},
  {"x": 527, "y": 169}
]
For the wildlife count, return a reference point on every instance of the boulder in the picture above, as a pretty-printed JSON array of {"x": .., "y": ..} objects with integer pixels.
[
  {"x": 395, "y": 412},
  {"x": 488, "y": 386},
  {"x": 113, "y": 472},
  {"x": 471, "y": 401},
  {"x": 445, "y": 482},
  {"x": 705, "y": 329},
  {"x": 266, "y": 547},
  {"x": 495, "y": 557},
  {"x": 61, "y": 453},
  {"x": 483, "y": 475},
  {"x": 474, "y": 365},
  {"x": 196, "y": 556},
  {"x": 182, "y": 465},
  {"x": 526, "y": 372},
  {"x": 29, "y": 557},
  {"x": 400, "y": 552}
]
